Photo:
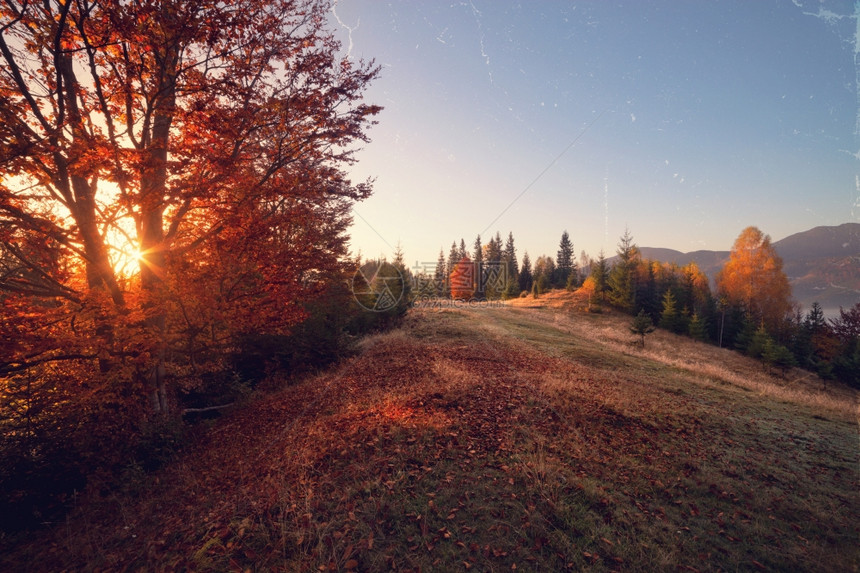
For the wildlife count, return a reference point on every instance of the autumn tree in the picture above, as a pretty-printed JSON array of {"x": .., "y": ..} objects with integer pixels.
[
  {"x": 462, "y": 279},
  {"x": 205, "y": 143},
  {"x": 754, "y": 281},
  {"x": 453, "y": 257}
]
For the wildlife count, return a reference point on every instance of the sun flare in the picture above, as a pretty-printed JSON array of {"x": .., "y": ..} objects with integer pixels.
[{"x": 123, "y": 252}]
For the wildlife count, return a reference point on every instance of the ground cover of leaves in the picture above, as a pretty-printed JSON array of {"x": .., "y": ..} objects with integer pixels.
[{"x": 489, "y": 440}]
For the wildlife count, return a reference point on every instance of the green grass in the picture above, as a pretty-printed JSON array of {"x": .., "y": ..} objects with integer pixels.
[{"x": 500, "y": 439}]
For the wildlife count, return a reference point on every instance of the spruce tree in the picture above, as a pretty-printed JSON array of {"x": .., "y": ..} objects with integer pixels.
[
  {"x": 440, "y": 276},
  {"x": 565, "y": 263},
  {"x": 622, "y": 283},
  {"x": 453, "y": 258},
  {"x": 600, "y": 275},
  {"x": 509, "y": 257},
  {"x": 478, "y": 260},
  {"x": 525, "y": 278},
  {"x": 642, "y": 325},
  {"x": 669, "y": 317},
  {"x": 478, "y": 251},
  {"x": 494, "y": 250},
  {"x": 698, "y": 327}
]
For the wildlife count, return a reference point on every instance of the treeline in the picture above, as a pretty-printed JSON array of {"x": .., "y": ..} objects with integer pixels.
[
  {"x": 750, "y": 311},
  {"x": 491, "y": 271}
]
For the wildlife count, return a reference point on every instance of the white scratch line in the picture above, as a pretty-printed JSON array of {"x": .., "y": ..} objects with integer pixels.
[
  {"x": 350, "y": 30},
  {"x": 477, "y": 14}
]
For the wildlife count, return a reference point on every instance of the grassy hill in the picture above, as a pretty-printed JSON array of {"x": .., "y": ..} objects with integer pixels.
[{"x": 530, "y": 437}]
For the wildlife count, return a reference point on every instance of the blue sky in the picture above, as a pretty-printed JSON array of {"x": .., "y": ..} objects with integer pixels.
[{"x": 684, "y": 121}]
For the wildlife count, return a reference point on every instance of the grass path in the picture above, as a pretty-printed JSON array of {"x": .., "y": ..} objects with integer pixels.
[{"x": 497, "y": 440}]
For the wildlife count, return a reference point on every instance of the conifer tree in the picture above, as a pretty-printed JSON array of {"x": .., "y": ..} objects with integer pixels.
[
  {"x": 565, "y": 264},
  {"x": 494, "y": 250},
  {"x": 405, "y": 274},
  {"x": 669, "y": 317},
  {"x": 478, "y": 260},
  {"x": 525, "y": 278},
  {"x": 509, "y": 257},
  {"x": 642, "y": 325},
  {"x": 463, "y": 252},
  {"x": 453, "y": 258},
  {"x": 439, "y": 277},
  {"x": 698, "y": 327},
  {"x": 622, "y": 283},
  {"x": 600, "y": 276},
  {"x": 478, "y": 251}
]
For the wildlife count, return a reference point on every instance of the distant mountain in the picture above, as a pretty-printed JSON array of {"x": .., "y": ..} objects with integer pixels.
[{"x": 822, "y": 264}]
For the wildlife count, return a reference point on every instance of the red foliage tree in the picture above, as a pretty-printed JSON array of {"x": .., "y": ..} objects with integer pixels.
[
  {"x": 211, "y": 137},
  {"x": 463, "y": 279}
]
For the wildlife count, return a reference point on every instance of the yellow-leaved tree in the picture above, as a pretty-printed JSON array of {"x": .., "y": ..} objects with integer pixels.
[{"x": 753, "y": 280}]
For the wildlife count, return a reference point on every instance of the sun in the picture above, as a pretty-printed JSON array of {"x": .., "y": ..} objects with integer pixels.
[{"x": 123, "y": 251}]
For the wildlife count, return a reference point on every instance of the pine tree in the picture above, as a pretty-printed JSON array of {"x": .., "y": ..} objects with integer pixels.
[
  {"x": 565, "y": 264},
  {"x": 669, "y": 316},
  {"x": 405, "y": 274},
  {"x": 758, "y": 343},
  {"x": 525, "y": 278},
  {"x": 509, "y": 257},
  {"x": 439, "y": 277},
  {"x": 600, "y": 275},
  {"x": 778, "y": 356},
  {"x": 453, "y": 257},
  {"x": 478, "y": 260},
  {"x": 698, "y": 327},
  {"x": 478, "y": 251},
  {"x": 621, "y": 281},
  {"x": 642, "y": 325},
  {"x": 494, "y": 251},
  {"x": 462, "y": 251}
]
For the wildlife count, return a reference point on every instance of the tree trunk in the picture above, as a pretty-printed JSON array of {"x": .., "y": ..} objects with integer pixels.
[{"x": 153, "y": 185}]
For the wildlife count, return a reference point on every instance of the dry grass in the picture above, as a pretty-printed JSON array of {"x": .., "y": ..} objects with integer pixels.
[
  {"x": 529, "y": 438},
  {"x": 707, "y": 364}
]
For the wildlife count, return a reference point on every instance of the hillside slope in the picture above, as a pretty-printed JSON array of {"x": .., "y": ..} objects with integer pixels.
[{"x": 532, "y": 435}]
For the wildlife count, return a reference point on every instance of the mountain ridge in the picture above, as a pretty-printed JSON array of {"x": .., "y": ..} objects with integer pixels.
[{"x": 822, "y": 264}]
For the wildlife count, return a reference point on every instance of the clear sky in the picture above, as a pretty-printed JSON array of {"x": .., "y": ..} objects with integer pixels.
[{"x": 684, "y": 121}]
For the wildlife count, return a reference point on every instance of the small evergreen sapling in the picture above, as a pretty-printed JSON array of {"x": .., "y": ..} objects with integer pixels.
[{"x": 642, "y": 325}]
